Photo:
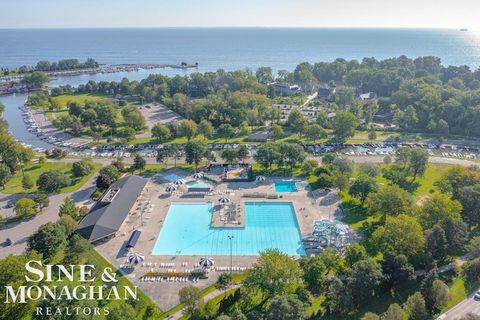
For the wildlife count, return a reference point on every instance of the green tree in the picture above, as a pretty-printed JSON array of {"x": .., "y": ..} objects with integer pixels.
[
  {"x": 69, "y": 224},
  {"x": 191, "y": 298},
  {"x": 372, "y": 135},
  {"x": 296, "y": 121},
  {"x": 205, "y": 128},
  {"x": 35, "y": 80},
  {"x": 76, "y": 249},
  {"x": 344, "y": 124},
  {"x": 369, "y": 169},
  {"x": 229, "y": 155},
  {"x": 277, "y": 131},
  {"x": 161, "y": 132},
  {"x": 396, "y": 269},
  {"x": 315, "y": 132},
  {"x": 264, "y": 75},
  {"x": 226, "y": 131},
  {"x": 242, "y": 153},
  {"x": 272, "y": 273},
  {"x": 469, "y": 197},
  {"x": 49, "y": 239},
  {"x": 287, "y": 307},
  {"x": 52, "y": 181},
  {"x": 267, "y": 154},
  {"x": 394, "y": 312},
  {"x": 364, "y": 279},
  {"x": 224, "y": 281},
  {"x": 139, "y": 162},
  {"x": 81, "y": 168},
  {"x": 389, "y": 200},
  {"x": 436, "y": 242},
  {"x": 195, "y": 152},
  {"x": 27, "y": 182},
  {"x": 362, "y": 187},
  {"x": 126, "y": 134},
  {"x": 338, "y": 299},
  {"x": 370, "y": 316},
  {"x": 188, "y": 129},
  {"x": 25, "y": 208},
  {"x": 416, "y": 308},
  {"x": 314, "y": 271},
  {"x": 69, "y": 208},
  {"x": 439, "y": 209},
  {"x": 41, "y": 200},
  {"x": 12, "y": 273},
  {"x": 402, "y": 235},
  {"x": 355, "y": 252},
  {"x": 5, "y": 174},
  {"x": 111, "y": 172},
  {"x": 440, "y": 294},
  {"x": 121, "y": 311}
]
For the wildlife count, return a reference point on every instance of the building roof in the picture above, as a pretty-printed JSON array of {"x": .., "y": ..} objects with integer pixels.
[
  {"x": 105, "y": 218},
  {"x": 262, "y": 135}
]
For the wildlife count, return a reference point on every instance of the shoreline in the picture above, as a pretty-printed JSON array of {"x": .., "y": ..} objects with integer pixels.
[{"x": 5, "y": 80}]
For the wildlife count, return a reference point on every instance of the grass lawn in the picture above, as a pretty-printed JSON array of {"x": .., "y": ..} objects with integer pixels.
[
  {"x": 34, "y": 170},
  {"x": 63, "y": 100}
]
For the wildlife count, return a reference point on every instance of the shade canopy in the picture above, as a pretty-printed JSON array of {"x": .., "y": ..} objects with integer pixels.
[
  {"x": 197, "y": 175},
  {"x": 134, "y": 258},
  {"x": 206, "y": 262},
  {"x": 171, "y": 188},
  {"x": 260, "y": 178},
  {"x": 178, "y": 182},
  {"x": 224, "y": 200}
]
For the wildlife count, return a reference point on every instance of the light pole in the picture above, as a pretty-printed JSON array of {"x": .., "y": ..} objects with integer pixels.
[{"x": 231, "y": 252}]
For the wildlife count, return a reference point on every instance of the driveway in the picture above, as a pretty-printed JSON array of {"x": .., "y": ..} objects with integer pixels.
[{"x": 19, "y": 231}]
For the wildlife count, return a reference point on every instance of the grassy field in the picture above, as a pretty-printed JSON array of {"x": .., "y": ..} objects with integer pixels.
[
  {"x": 63, "y": 100},
  {"x": 34, "y": 170}
]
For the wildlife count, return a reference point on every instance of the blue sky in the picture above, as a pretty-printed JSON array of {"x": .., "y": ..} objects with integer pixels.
[{"x": 234, "y": 13}]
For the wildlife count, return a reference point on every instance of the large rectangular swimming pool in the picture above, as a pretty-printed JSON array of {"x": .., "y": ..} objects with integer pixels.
[{"x": 187, "y": 231}]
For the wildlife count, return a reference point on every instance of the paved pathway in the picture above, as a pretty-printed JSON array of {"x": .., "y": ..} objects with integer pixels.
[
  {"x": 210, "y": 296},
  {"x": 19, "y": 231}
]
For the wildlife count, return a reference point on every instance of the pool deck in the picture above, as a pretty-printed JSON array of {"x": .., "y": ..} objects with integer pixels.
[{"x": 309, "y": 207}]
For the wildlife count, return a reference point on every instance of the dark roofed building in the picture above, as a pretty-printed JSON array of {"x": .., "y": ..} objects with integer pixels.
[
  {"x": 108, "y": 214},
  {"x": 260, "y": 136},
  {"x": 326, "y": 94}
]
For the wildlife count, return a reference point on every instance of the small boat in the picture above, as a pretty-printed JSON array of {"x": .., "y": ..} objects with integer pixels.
[{"x": 464, "y": 30}]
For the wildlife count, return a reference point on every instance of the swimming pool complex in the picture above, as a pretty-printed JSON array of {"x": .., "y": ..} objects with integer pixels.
[
  {"x": 187, "y": 231},
  {"x": 285, "y": 186}
]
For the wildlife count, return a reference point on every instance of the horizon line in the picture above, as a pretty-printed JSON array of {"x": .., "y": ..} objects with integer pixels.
[{"x": 236, "y": 27}]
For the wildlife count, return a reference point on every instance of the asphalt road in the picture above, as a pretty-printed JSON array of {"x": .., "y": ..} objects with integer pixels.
[
  {"x": 468, "y": 305},
  {"x": 19, "y": 231}
]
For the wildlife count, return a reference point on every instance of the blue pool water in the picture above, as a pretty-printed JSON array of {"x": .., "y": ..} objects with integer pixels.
[
  {"x": 285, "y": 186},
  {"x": 173, "y": 177},
  {"x": 197, "y": 184},
  {"x": 186, "y": 231}
]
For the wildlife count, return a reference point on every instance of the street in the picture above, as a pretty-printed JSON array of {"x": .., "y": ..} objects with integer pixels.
[{"x": 468, "y": 305}]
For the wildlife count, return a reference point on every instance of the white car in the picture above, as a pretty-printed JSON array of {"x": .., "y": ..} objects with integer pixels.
[{"x": 477, "y": 295}]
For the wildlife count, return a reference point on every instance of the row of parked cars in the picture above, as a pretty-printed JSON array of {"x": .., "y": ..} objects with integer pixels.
[{"x": 150, "y": 150}]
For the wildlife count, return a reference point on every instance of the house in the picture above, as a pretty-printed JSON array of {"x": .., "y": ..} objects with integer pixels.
[
  {"x": 286, "y": 89},
  {"x": 368, "y": 96},
  {"x": 260, "y": 136},
  {"x": 108, "y": 214},
  {"x": 326, "y": 93}
]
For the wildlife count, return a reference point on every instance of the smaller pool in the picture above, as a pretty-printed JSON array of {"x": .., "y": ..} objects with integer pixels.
[
  {"x": 285, "y": 186},
  {"x": 173, "y": 177},
  {"x": 197, "y": 184}
]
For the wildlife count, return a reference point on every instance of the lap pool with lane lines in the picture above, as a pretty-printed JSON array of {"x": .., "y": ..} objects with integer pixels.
[{"x": 187, "y": 231}]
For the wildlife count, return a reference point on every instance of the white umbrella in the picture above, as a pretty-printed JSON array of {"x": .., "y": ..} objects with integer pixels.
[
  {"x": 178, "y": 182},
  {"x": 197, "y": 175},
  {"x": 206, "y": 262},
  {"x": 260, "y": 178},
  {"x": 224, "y": 200},
  {"x": 134, "y": 258},
  {"x": 171, "y": 188}
]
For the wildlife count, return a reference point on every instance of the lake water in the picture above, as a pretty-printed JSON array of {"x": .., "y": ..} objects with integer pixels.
[
  {"x": 234, "y": 48},
  {"x": 227, "y": 48}
]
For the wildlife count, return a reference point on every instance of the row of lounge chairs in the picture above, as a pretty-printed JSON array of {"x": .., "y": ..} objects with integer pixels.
[
  {"x": 169, "y": 279},
  {"x": 234, "y": 269}
]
